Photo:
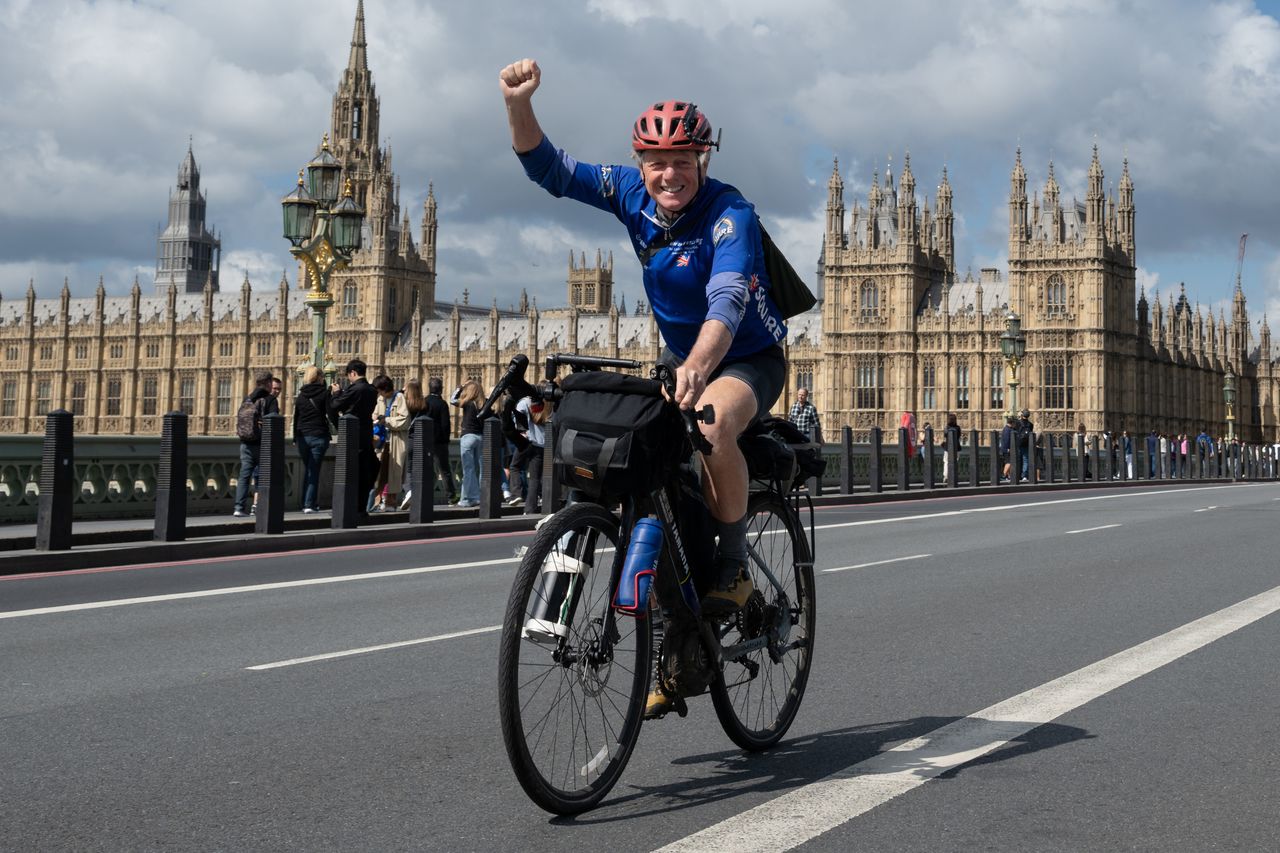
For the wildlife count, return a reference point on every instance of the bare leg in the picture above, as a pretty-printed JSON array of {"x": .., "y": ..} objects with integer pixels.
[{"x": 725, "y": 483}]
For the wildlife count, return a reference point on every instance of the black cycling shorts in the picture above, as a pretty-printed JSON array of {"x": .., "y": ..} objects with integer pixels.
[{"x": 764, "y": 371}]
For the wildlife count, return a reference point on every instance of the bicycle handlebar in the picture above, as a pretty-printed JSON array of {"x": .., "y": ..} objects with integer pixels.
[{"x": 585, "y": 362}]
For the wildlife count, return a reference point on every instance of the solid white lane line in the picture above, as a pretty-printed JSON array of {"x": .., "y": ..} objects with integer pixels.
[
  {"x": 1091, "y": 529},
  {"x": 877, "y": 563},
  {"x": 398, "y": 645},
  {"x": 121, "y": 602},
  {"x": 1017, "y": 506},
  {"x": 805, "y": 813},
  {"x": 262, "y": 587}
]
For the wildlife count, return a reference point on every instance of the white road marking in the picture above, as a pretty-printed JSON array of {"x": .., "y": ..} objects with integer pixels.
[
  {"x": 877, "y": 563},
  {"x": 262, "y": 587},
  {"x": 805, "y": 813},
  {"x": 1206, "y": 509},
  {"x": 397, "y": 645},
  {"x": 1091, "y": 529},
  {"x": 206, "y": 593}
]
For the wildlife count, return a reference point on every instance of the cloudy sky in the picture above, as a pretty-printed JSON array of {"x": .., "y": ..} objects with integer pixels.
[{"x": 101, "y": 97}]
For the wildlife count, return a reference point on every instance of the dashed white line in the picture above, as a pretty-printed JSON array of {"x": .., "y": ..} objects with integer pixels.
[
  {"x": 1091, "y": 529},
  {"x": 1205, "y": 509},
  {"x": 877, "y": 563},
  {"x": 349, "y": 652},
  {"x": 790, "y": 820}
]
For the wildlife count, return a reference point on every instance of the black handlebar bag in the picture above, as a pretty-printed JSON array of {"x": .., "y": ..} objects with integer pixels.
[{"x": 615, "y": 435}]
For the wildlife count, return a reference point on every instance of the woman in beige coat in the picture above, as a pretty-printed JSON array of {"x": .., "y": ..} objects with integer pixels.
[{"x": 397, "y": 447}]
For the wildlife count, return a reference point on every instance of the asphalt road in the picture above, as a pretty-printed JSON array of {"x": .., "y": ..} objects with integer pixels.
[{"x": 1011, "y": 672}]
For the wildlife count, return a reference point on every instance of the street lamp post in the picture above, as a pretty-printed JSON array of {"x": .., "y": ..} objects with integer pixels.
[
  {"x": 1013, "y": 345},
  {"x": 1229, "y": 396},
  {"x": 325, "y": 232}
]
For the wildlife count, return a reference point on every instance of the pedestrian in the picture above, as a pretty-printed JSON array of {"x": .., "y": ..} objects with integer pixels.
[
  {"x": 277, "y": 385},
  {"x": 438, "y": 411},
  {"x": 515, "y": 426},
  {"x": 359, "y": 399},
  {"x": 257, "y": 405},
  {"x": 950, "y": 439},
  {"x": 537, "y": 413},
  {"x": 382, "y": 442},
  {"x": 805, "y": 416},
  {"x": 908, "y": 422},
  {"x": 414, "y": 404},
  {"x": 1127, "y": 445},
  {"x": 1008, "y": 434},
  {"x": 468, "y": 398},
  {"x": 311, "y": 433},
  {"x": 1025, "y": 430}
]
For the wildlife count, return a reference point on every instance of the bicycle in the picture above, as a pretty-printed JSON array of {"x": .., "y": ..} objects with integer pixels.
[{"x": 578, "y": 642}]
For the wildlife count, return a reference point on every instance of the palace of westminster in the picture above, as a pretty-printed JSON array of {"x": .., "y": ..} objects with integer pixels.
[{"x": 895, "y": 330}]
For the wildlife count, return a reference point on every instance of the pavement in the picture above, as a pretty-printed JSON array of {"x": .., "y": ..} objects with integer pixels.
[{"x": 117, "y": 542}]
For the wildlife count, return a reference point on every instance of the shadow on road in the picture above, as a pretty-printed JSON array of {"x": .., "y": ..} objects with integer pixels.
[{"x": 800, "y": 761}]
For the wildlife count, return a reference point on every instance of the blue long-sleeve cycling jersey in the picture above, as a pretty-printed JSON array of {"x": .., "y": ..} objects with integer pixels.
[{"x": 712, "y": 268}]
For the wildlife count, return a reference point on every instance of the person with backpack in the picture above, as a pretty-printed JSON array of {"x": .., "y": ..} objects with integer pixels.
[
  {"x": 438, "y": 410},
  {"x": 387, "y": 396},
  {"x": 253, "y": 409},
  {"x": 311, "y": 433},
  {"x": 705, "y": 275},
  {"x": 535, "y": 413},
  {"x": 359, "y": 399}
]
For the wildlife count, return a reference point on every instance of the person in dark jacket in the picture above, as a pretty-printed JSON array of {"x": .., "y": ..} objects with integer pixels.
[
  {"x": 1007, "y": 437},
  {"x": 1024, "y": 428},
  {"x": 1153, "y": 453},
  {"x": 311, "y": 433},
  {"x": 266, "y": 404},
  {"x": 359, "y": 399},
  {"x": 438, "y": 410}
]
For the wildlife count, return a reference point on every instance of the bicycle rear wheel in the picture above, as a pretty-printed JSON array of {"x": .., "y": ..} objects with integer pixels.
[
  {"x": 572, "y": 677},
  {"x": 758, "y": 693}
]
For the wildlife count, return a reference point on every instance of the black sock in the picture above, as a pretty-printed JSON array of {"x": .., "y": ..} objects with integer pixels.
[{"x": 733, "y": 542}]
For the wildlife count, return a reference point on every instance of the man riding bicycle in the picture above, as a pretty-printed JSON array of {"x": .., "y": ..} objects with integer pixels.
[{"x": 699, "y": 242}]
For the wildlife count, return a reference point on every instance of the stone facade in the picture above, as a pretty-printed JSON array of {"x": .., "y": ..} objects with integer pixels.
[{"x": 897, "y": 329}]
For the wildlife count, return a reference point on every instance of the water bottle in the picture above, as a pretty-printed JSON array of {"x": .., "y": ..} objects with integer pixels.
[
  {"x": 551, "y": 611},
  {"x": 632, "y": 597}
]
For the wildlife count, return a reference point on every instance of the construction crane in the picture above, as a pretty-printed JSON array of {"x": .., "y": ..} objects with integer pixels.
[{"x": 1240, "y": 259}]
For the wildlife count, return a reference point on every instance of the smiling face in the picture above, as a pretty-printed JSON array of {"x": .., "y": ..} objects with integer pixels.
[{"x": 671, "y": 177}]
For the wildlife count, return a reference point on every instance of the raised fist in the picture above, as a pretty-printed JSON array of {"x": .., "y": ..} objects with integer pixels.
[{"x": 519, "y": 80}]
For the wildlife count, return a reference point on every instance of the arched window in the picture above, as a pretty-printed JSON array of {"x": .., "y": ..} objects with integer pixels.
[
  {"x": 350, "y": 305},
  {"x": 929, "y": 385},
  {"x": 868, "y": 392},
  {"x": 1056, "y": 390},
  {"x": 1055, "y": 296},
  {"x": 868, "y": 299},
  {"x": 962, "y": 386}
]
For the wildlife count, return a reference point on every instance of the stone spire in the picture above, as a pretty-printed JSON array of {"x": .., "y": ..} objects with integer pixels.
[
  {"x": 359, "y": 59},
  {"x": 835, "y": 202}
]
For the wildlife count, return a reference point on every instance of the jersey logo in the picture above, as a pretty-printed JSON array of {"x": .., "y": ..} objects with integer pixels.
[
  {"x": 606, "y": 181},
  {"x": 724, "y": 228},
  {"x": 683, "y": 260}
]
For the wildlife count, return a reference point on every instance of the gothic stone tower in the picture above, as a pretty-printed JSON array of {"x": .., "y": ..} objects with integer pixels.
[
  {"x": 187, "y": 256},
  {"x": 1072, "y": 281},
  {"x": 893, "y": 262},
  {"x": 390, "y": 284},
  {"x": 591, "y": 288}
]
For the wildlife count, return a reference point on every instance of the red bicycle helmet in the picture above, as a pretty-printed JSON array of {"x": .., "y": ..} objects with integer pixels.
[{"x": 672, "y": 126}]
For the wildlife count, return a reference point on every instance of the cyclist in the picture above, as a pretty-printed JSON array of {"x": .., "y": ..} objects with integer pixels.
[{"x": 699, "y": 243}]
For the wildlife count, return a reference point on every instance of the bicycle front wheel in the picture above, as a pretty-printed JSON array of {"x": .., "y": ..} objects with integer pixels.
[
  {"x": 572, "y": 676},
  {"x": 759, "y": 691}
]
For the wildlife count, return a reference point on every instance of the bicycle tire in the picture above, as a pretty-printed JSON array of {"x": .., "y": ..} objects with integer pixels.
[
  {"x": 755, "y": 710},
  {"x": 599, "y": 703}
]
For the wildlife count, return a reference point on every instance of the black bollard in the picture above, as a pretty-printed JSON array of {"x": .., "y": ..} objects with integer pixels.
[
  {"x": 814, "y": 484},
  {"x": 272, "y": 472},
  {"x": 57, "y": 483},
  {"x": 171, "y": 480},
  {"x": 1123, "y": 460},
  {"x": 1095, "y": 458},
  {"x": 551, "y": 486},
  {"x": 1015, "y": 469},
  {"x": 846, "y": 460},
  {"x": 904, "y": 461},
  {"x": 952, "y": 450},
  {"x": 347, "y": 500},
  {"x": 491, "y": 470},
  {"x": 1107, "y": 459},
  {"x": 928, "y": 457},
  {"x": 422, "y": 476},
  {"x": 1081, "y": 467},
  {"x": 973, "y": 458},
  {"x": 873, "y": 459},
  {"x": 1033, "y": 469},
  {"x": 993, "y": 453}
]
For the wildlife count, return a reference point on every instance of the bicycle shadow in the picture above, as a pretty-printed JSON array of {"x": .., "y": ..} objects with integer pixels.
[{"x": 803, "y": 760}]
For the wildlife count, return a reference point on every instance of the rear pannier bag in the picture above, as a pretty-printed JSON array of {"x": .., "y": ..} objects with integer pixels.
[
  {"x": 614, "y": 434},
  {"x": 776, "y": 449}
]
